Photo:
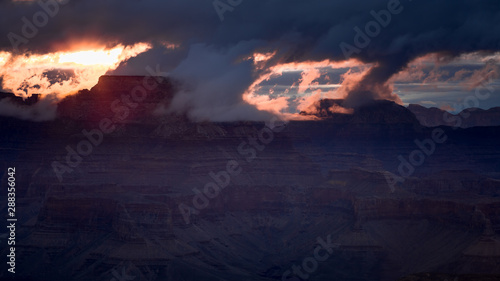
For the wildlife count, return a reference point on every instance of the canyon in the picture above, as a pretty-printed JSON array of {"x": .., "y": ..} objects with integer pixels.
[{"x": 118, "y": 211}]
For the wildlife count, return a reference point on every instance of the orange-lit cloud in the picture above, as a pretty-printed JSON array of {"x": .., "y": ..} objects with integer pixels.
[
  {"x": 308, "y": 76},
  {"x": 308, "y": 103},
  {"x": 25, "y": 75},
  {"x": 91, "y": 57},
  {"x": 4, "y": 57},
  {"x": 310, "y": 71},
  {"x": 262, "y": 102}
]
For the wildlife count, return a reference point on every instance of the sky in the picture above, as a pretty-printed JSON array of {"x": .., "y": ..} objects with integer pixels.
[{"x": 238, "y": 58}]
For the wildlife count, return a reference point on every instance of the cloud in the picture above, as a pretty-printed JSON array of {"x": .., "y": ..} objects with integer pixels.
[
  {"x": 62, "y": 73},
  {"x": 43, "y": 110},
  {"x": 428, "y": 102},
  {"x": 213, "y": 82},
  {"x": 308, "y": 76},
  {"x": 319, "y": 26},
  {"x": 490, "y": 71},
  {"x": 297, "y": 31}
]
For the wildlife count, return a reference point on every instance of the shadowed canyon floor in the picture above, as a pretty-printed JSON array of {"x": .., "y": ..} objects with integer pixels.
[{"x": 136, "y": 206}]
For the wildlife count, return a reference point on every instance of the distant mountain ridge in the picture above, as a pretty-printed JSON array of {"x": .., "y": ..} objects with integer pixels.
[
  {"x": 470, "y": 117},
  {"x": 376, "y": 111},
  {"x": 19, "y": 100},
  {"x": 111, "y": 94}
]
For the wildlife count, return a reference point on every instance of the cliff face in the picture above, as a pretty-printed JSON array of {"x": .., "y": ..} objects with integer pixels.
[
  {"x": 429, "y": 117},
  {"x": 134, "y": 202},
  {"x": 18, "y": 100},
  {"x": 127, "y": 98}
]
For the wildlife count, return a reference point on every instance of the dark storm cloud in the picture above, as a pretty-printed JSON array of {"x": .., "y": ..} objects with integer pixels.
[
  {"x": 58, "y": 75},
  {"x": 301, "y": 30},
  {"x": 421, "y": 27},
  {"x": 108, "y": 22}
]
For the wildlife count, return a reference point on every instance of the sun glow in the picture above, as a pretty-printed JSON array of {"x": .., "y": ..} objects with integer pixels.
[
  {"x": 29, "y": 74},
  {"x": 4, "y": 57},
  {"x": 92, "y": 57}
]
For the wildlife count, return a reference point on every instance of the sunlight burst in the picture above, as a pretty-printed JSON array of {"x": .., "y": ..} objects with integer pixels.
[
  {"x": 92, "y": 57},
  {"x": 29, "y": 74}
]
